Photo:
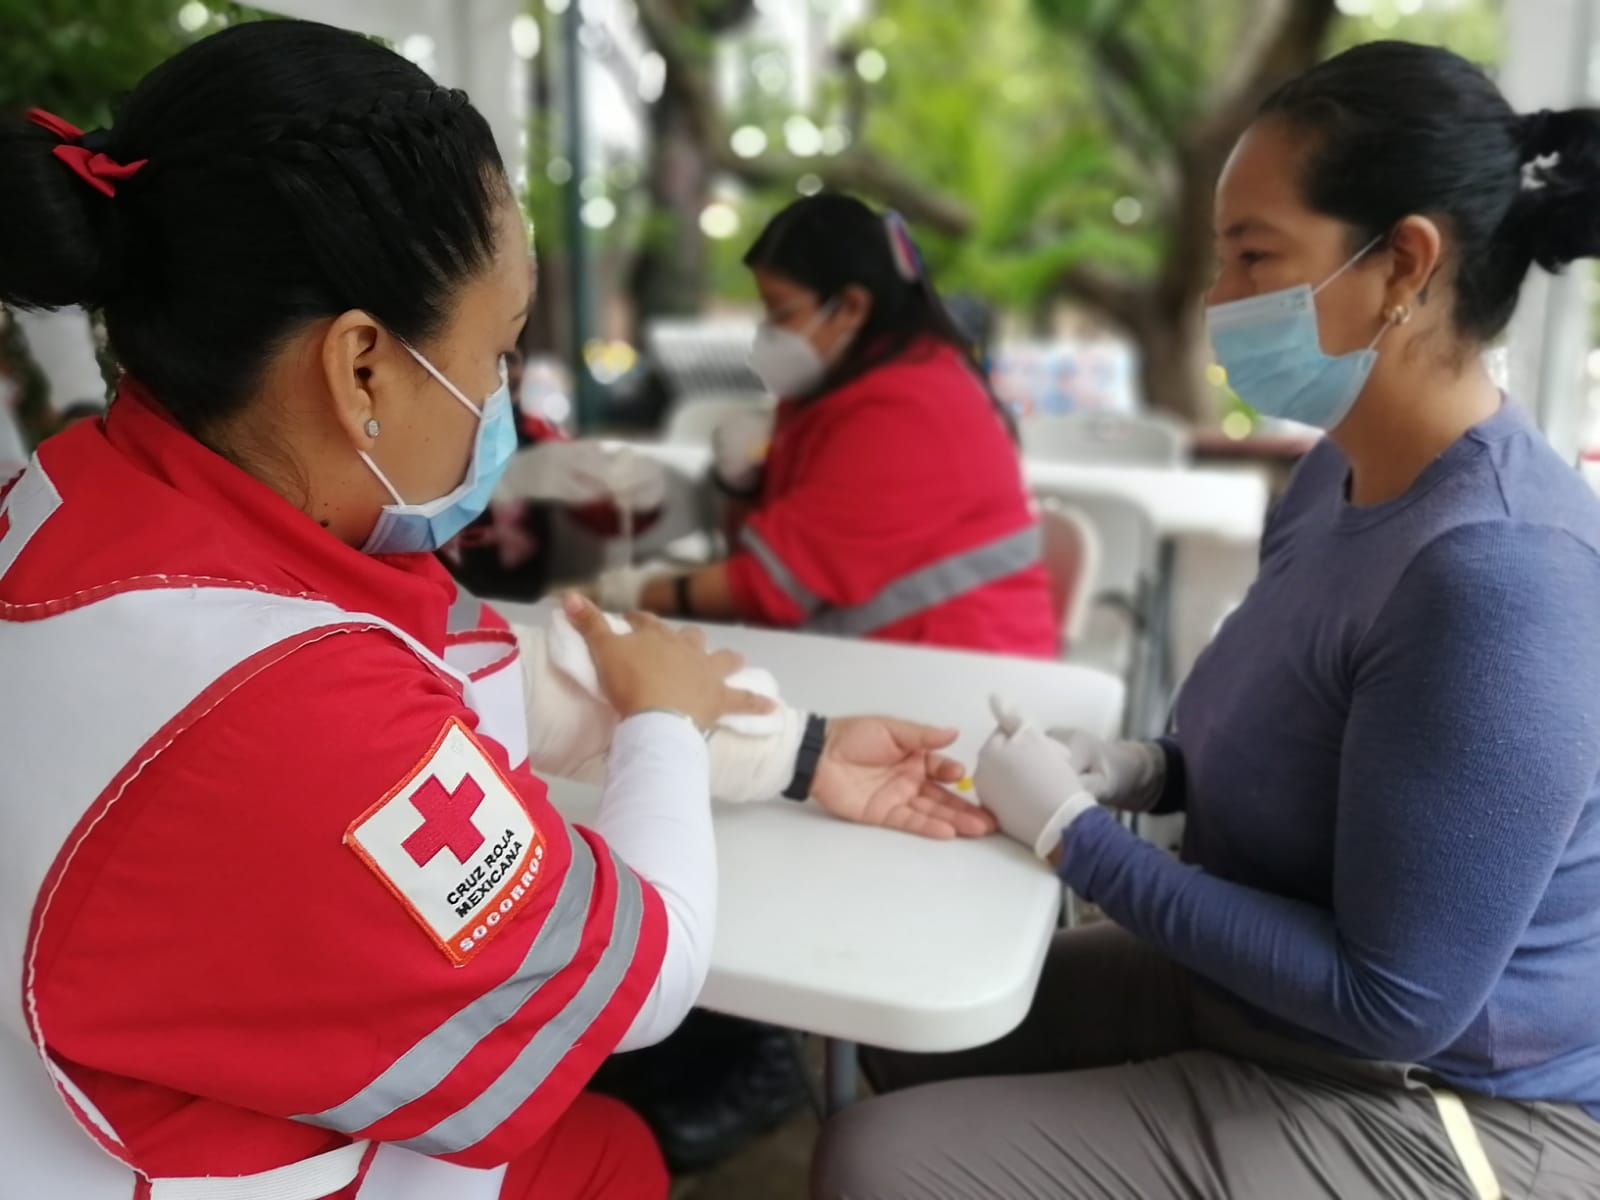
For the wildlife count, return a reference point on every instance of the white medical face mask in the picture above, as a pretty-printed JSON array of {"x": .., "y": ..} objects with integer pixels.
[
  {"x": 411, "y": 528},
  {"x": 786, "y": 362}
]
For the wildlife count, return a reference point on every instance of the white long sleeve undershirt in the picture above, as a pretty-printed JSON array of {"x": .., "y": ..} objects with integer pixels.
[{"x": 655, "y": 812}]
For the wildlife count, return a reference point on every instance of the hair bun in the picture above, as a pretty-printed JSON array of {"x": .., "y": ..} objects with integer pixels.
[
  {"x": 1532, "y": 130},
  {"x": 58, "y": 235},
  {"x": 1557, "y": 210}
]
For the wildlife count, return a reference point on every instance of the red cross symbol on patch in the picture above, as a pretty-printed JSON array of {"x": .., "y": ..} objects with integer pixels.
[
  {"x": 447, "y": 821},
  {"x": 476, "y": 857}
]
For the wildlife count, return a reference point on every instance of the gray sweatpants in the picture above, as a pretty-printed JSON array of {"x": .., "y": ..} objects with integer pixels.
[{"x": 1129, "y": 1079}]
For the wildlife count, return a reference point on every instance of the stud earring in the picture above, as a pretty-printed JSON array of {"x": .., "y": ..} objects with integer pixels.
[
  {"x": 373, "y": 427},
  {"x": 1397, "y": 314}
]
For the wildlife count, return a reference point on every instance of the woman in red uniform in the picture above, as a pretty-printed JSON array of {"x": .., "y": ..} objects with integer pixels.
[
  {"x": 892, "y": 503},
  {"x": 284, "y": 908}
]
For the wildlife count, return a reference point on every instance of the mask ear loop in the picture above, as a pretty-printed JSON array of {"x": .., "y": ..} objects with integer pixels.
[
  {"x": 443, "y": 382},
  {"x": 427, "y": 366},
  {"x": 1359, "y": 255},
  {"x": 824, "y": 310},
  {"x": 382, "y": 478}
]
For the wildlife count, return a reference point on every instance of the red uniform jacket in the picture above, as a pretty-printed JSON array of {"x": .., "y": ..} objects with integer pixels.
[{"x": 895, "y": 508}]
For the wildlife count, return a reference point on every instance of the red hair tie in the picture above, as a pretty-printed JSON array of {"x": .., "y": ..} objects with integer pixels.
[{"x": 99, "y": 171}]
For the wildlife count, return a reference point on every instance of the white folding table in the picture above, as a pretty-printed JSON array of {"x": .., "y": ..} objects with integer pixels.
[{"x": 868, "y": 935}]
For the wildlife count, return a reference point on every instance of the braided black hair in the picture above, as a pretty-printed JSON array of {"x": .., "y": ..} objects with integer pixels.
[{"x": 294, "y": 171}]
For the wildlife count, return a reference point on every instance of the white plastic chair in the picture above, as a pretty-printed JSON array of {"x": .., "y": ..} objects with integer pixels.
[
  {"x": 1106, "y": 439},
  {"x": 700, "y": 356},
  {"x": 1072, "y": 558},
  {"x": 1116, "y": 635}
]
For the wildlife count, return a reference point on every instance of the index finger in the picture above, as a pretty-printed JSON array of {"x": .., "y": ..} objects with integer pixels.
[
  {"x": 587, "y": 619},
  {"x": 1007, "y": 715},
  {"x": 968, "y": 820}
]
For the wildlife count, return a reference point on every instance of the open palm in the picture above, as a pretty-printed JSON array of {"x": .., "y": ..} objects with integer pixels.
[{"x": 880, "y": 771}]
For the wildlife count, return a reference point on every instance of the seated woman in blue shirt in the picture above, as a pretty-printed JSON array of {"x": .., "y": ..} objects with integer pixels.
[{"x": 1375, "y": 972}]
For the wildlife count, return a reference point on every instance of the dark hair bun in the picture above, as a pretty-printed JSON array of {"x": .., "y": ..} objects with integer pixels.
[
  {"x": 1557, "y": 212},
  {"x": 57, "y": 234}
]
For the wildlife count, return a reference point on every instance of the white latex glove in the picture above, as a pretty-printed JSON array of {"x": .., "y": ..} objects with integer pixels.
[
  {"x": 1025, "y": 778},
  {"x": 739, "y": 448},
  {"x": 1125, "y": 775},
  {"x": 620, "y": 589},
  {"x": 584, "y": 472}
]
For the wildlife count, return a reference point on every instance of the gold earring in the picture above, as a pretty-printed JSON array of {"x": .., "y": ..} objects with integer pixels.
[{"x": 1397, "y": 314}]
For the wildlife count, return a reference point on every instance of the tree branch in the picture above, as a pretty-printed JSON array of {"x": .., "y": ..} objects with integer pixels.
[
  {"x": 1283, "y": 39},
  {"x": 1117, "y": 57},
  {"x": 687, "y": 72},
  {"x": 1134, "y": 135},
  {"x": 855, "y": 171}
]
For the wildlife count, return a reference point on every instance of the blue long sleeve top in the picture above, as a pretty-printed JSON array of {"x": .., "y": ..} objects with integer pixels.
[{"x": 1389, "y": 759}]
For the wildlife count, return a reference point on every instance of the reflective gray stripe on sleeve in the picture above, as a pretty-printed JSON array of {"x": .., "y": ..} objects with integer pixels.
[
  {"x": 481, "y": 1116},
  {"x": 464, "y": 613},
  {"x": 934, "y": 584},
  {"x": 778, "y": 571},
  {"x": 420, "y": 1069}
]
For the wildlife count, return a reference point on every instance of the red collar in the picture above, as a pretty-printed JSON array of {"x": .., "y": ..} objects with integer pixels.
[{"x": 270, "y": 536}]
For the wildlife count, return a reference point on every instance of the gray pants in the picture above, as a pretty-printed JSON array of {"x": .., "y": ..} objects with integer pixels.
[{"x": 1129, "y": 1079}]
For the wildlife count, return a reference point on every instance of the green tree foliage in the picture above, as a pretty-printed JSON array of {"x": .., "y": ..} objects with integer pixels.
[
  {"x": 1083, "y": 137},
  {"x": 76, "y": 57}
]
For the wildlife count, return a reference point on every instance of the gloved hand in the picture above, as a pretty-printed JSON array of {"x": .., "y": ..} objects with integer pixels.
[
  {"x": 619, "y": 589},
  {"x": 1125, "y": 775},
  {"x": 584, "y": 472},
  {"x": 739, "y": 449},
  {"x": 1026, "y": 780}
]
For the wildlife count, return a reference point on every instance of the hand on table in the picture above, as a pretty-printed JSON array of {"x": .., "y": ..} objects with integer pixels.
[
  {"x": 659, "y": 667},
  {"x": 880, "y": 771},
  {"x": 1026, "y": 779}
]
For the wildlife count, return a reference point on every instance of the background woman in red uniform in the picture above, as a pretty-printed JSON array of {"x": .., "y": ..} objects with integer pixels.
[{"x": 891, "y": 504}]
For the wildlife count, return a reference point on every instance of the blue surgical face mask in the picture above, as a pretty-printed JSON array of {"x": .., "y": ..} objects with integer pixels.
[
  {"x": 409, "y": 528},
  {"x": 1270, "y": 348}
]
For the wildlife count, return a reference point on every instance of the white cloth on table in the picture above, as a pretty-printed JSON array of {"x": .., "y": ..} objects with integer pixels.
[
  {"x": 569, "y": 654},
  {"x": 570, "y": 728}
]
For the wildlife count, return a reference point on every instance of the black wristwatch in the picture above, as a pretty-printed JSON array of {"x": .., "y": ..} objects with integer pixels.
[{"x": 805, "y": 763}]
